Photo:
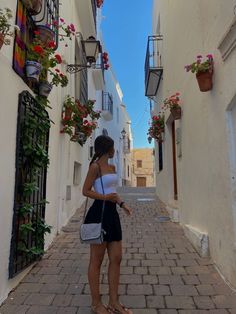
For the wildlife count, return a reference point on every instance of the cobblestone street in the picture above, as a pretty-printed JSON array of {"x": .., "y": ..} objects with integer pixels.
[{"x": 161, "y": 271}]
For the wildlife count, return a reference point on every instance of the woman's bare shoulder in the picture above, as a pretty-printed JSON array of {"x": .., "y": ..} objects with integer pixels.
[{"x": 113, "y": 167}]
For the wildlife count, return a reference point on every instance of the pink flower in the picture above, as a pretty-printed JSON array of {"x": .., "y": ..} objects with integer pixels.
[
  {"x": 72, "y": 27},
  {"x": 62, "y": 20},
  {"x": 199, "y": 57},
  {"x": 210, "y": 56}
]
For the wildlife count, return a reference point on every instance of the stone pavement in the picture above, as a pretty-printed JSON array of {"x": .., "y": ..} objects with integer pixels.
[{"x": 160, "y": 273}]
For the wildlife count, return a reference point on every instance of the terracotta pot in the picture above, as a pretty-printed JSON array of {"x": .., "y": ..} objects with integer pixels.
[
  {"x": 34, "y": 6},
  {"x": 176, "y": 113},
  {"x": 1, "y": 40},
  {"x": 68, "y": 113},
  {"x": 33, "y": 70},
  {"x": 46, "y": 34},
  {"x": 45, "y": 88},
  {"x": 205, "y": 80}
]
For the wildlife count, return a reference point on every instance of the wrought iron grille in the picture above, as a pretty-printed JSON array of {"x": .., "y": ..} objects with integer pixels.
[
  {"x": 126, "y": 145},
  {"x": 160, "y": 153},
  {"x": 153, "y": 65},
  {"x": 27, "y": 24},
  {"x": 83, "y": 97},
  {"x": 94, "y": 8},
  {"x": 107, "y": 102},
  {"x": 29, "y": 206}
]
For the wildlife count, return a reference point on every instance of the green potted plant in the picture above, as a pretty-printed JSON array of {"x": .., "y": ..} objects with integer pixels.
[
  {"x": 35, "y": 55},
  {"x": 49, "y": 75},
  {"x": 33, "y": 6},
  {"x": 157, "y": 127},
  {"x": 204, "y": 72},
  {"x": 173, "y": 103},
  {"x": 47, "y": 32},
  {"x": 5, "y": 17}
]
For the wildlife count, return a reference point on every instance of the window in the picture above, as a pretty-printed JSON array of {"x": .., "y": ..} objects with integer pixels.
[
  {"x": 160, "y": 151},
  {"x": 77, "y": 173},
  {"x": 139, "y": 163},
  {"x": 117, "y": 115},
  {"x": 128, "y": 171},
  {"x": 90, "y": 152},
  {"x": 49, "y": 12},
  {"x": 81, "y": 77},
  {"x": 105, "y": 132}
]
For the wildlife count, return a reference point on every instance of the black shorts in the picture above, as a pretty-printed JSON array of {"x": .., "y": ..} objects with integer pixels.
[{"x": 111, "y": 220}]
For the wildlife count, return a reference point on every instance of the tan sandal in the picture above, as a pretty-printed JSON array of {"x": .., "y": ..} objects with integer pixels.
[
  {"x": 116, "y": 311},
  {"x": 95, "y": 309}
]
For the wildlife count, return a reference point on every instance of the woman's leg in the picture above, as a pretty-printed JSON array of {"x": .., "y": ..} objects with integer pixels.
[
  {"x": 97, "y": 252},
  {"x": 115, "y": 255}
]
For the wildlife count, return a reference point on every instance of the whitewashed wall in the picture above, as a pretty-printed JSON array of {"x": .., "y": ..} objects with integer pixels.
[
  {"x": 205, "y": 170},
  {"x": 62, "y": 152}
]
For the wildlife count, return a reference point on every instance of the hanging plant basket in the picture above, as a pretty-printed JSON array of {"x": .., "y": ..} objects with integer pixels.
[
  {"x": 33, "y": 70},
  {"x": 46, "y": 34},
  {"x": 44, "y": 88},
  {"x": 176, "y": 112},
  {"x": 79, "y": 137},
  {"x": 205, "y": 81},
  {"x": 33, "y": 6},
  {"x": 1, "y": 40}
]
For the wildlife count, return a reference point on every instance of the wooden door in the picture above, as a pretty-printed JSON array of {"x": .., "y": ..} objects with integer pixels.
[
  {"x": 174, "y": 162},
  {"x": 141, "y": 181}
]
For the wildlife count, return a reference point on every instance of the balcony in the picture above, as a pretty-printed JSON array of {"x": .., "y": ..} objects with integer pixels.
[
  {"x": 87, "y": 12},
  {"x": 153, "y": 65},
  {"x": 98, "y": 73},
  {"x": 107, "y": 106},
  {"x": 126, "y": 145}
]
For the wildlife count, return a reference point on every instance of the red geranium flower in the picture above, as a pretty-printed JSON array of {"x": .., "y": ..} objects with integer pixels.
[
  {"x": 52, "y": 44},
  {"x": 58, "y": 58},
  {"x": 38, "y": 49}
]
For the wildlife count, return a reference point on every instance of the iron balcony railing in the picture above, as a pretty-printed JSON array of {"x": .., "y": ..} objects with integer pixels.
[
  {"x": 126, "y": 145},
  {"x": 153, "y": 65},
  {"x": 107, "y": 102}
]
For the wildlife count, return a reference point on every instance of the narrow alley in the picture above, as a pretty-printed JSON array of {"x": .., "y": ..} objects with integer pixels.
[{"x": 161, "y": 271}]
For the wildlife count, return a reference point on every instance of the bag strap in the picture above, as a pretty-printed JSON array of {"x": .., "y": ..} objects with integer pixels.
[{"x": 103, "y": 204}]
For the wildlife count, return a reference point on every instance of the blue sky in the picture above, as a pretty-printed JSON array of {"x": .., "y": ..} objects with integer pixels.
[{"x": 125, "y": 26}]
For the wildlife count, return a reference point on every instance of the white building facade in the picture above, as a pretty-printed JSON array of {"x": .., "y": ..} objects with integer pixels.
[
  {"x": 195, "y": 164},
  {"x": 63, "y": 180}
]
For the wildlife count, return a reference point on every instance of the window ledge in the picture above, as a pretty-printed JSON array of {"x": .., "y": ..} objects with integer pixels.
[{"x": 228, "y": 42}]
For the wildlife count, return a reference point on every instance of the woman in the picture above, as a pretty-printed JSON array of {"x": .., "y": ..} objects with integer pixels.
[{"x": 105, "y": 190}]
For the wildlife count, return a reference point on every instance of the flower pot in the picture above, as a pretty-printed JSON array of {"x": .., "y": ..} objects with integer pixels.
[
  {"x": 33, "y": 70},
  {"x": 44, "y": 88},
  {"x": 79, "y": 137},
  {"x": 68, "y": 113},
  {"x": 205, "y": 80},
  {"x": 176, "y": 113},
  {"x": 1, "y": 40},
  {"x": 46, "y": 34},
  {"x": 34, "y": 6}
]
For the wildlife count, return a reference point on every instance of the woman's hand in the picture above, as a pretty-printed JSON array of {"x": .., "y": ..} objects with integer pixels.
[{"x": 127, "y": 209}]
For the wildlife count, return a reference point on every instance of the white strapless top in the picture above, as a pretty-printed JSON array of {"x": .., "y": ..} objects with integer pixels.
[{"x": 110, "y": 182}]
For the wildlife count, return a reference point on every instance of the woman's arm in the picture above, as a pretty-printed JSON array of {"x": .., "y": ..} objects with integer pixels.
[{"x": 88, "y": 184}]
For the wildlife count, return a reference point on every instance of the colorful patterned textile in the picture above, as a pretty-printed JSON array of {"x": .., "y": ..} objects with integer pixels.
[{"x": 20, "y": 40}]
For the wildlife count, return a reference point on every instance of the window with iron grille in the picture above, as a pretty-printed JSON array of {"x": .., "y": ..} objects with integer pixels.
[
  {"x": 28, "y": 226},
  {"x": 139, "y": 164},
  {"x": 107, "y": 102},
  {"x": 28, "y": 23},
  {"x": 160, "y": 151}
]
